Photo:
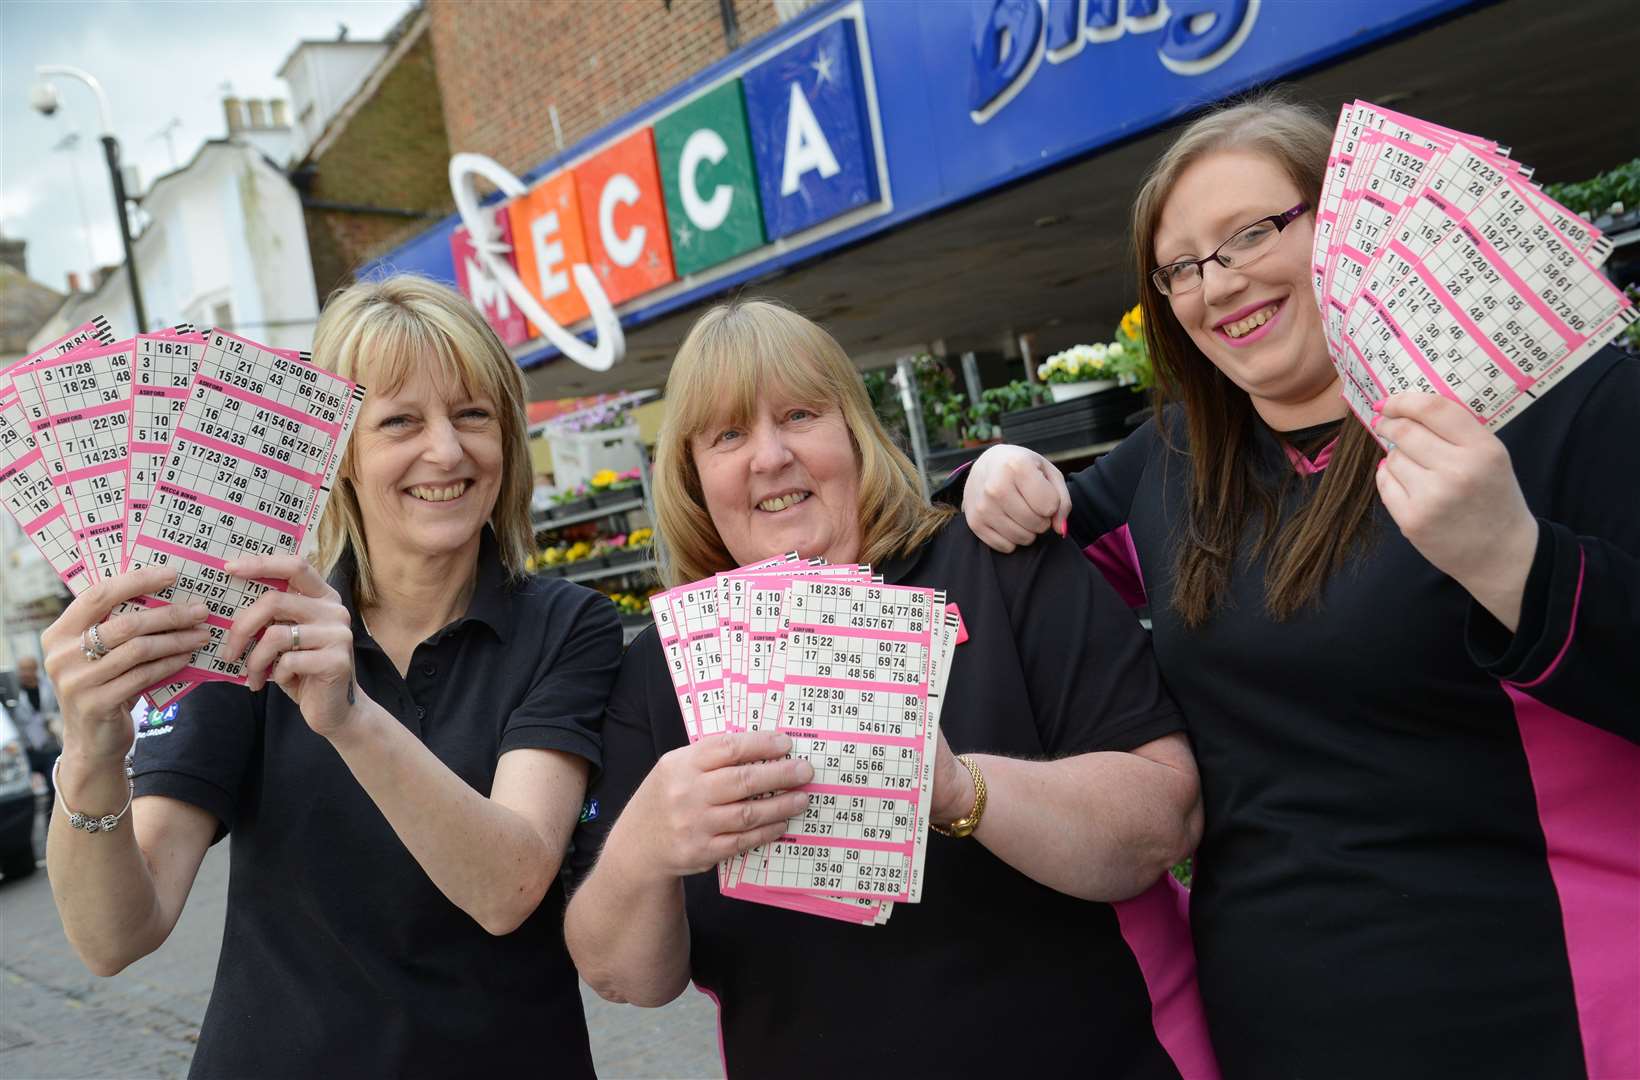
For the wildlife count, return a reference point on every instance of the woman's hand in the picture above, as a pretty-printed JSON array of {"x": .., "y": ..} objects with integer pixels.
[
  {"x": 141, "y": 648},
  {"x": 704, "y": 803},
  {"x": 1449, "y": 485},
  {"x": 311, "y": 653},
  {"x": 1012, "y": 496}
]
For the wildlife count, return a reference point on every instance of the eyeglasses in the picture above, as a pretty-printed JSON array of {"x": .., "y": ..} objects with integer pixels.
[{"x": 1245, "y": 246}]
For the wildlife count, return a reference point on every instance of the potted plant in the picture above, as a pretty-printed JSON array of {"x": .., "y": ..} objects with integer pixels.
[{"x": 1081, "y": 370}]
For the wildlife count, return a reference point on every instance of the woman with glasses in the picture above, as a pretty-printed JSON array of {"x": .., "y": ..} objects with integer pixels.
[{"x": 1410, "y": 679}]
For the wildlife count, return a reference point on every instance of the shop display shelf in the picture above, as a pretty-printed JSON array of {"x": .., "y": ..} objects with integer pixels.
[
  {"x": 573, "y": 513},
  {"x": 574, "y": 572}
]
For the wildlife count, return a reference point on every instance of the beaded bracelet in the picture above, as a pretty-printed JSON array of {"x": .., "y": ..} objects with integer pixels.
[{"x": 85, "y": 822}]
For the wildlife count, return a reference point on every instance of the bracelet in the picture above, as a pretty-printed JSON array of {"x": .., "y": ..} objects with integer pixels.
[
  {"x": 965, "y": 826},
  {"x": 85, "y": 822}
]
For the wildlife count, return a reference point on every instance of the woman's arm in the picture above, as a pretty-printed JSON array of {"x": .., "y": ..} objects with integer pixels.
[
  {"x": 118, "y": 893},
  {"x": 1556, "y": 596},
  {"x": 1099, "y": 826},
  {"x": 494, "y": 857},
  {"x": 626, "y": 927}
]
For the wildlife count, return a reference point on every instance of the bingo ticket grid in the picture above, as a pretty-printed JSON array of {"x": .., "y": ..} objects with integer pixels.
[
  {"x": 26, "y": 484},
  {"x": 854, "y": 670},
  {"x": 77, "y": 407},
  {"x": 249, "y": 470},
  {"x": 1439, "y": 267}
]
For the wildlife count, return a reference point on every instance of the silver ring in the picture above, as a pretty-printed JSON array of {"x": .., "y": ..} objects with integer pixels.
[
  {"x": 85, "y": 646},
  {"x": 1389, "y": 446},
  {"x": 97, "y": 649},
  {"x": 295, "y": 637}
]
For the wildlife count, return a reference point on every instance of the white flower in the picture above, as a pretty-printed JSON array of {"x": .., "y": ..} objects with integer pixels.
[{"x": 1115, "y": 350}]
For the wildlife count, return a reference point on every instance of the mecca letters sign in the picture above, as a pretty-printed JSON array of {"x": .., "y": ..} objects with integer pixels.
[{"x": 780, "y": 151}]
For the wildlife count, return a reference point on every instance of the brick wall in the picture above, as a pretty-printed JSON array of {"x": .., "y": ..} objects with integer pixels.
[
  {"x": 392, "y": 153},
  {"x": 502, "y": 63}
]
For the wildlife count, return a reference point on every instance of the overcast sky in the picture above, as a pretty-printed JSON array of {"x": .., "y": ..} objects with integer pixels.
[{"x": 158, "y": 62}]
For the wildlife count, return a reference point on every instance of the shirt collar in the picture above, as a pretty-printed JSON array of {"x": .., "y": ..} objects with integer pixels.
[{"x": 490, "y": 605}]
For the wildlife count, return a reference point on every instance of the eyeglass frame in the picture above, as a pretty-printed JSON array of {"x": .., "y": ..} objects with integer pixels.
[{"x": 1280, "y": 221}]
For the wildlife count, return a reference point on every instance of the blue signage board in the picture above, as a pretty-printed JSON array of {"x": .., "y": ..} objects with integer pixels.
[
  {"x": 908, "y": 108},
  {"x": 810, "y": 132}
]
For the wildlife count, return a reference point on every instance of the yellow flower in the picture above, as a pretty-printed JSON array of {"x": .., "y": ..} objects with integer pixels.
[
  {"x": 604, "y": 478},
  {"x": 1133, "y": 322}
]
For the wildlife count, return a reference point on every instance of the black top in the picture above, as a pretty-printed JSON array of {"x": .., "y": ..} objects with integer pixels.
[
  {"x": 1422, "y": 850},
  {"x": 340, "y": 956},
  {"x": 992, "y": 973}
]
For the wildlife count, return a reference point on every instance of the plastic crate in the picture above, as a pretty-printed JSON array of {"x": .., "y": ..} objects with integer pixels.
[{"x": 577, "y": 456}]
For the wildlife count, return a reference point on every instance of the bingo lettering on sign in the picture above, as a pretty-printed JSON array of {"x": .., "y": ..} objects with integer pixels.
[
  {"x": 249, "y": 471},
  {"x": 1441, "y": 268},
  {"x": 854, "y": 671}
]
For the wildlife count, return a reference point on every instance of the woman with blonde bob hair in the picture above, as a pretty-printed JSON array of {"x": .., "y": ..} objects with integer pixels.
[
  {"x": 1409, "y": 676},
  {"x": 1074, "y": 789},
  {"x": 401, "y": 774}
]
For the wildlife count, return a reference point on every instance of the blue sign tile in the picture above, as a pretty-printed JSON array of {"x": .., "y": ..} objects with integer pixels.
[{"x": 806, "y": 109}]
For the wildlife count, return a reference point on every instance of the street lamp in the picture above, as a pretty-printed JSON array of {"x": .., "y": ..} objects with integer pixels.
[{"x": 44, "y": 99}]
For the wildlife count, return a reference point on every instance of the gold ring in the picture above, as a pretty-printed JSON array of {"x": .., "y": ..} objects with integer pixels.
[{"x": 295, "y": 637}]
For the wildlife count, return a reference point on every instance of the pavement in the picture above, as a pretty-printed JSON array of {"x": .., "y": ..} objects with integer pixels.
[{"x": 58, "y": 1021}]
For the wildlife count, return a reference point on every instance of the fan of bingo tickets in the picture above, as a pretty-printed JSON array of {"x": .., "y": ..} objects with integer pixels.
[
  {"x": 1440, "y": 267},
  {"x": 854, "y": 671},
  {"x": 178, "y": 448}
]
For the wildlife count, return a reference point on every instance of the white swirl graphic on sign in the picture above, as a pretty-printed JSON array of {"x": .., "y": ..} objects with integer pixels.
[{"x": 609, "y": 341}]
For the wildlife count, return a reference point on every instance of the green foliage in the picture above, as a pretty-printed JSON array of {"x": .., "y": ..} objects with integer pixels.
[{"x": 1595, "y": 195}]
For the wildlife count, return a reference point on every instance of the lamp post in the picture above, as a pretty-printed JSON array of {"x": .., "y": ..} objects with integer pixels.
[{"x": 43, "y": 96}]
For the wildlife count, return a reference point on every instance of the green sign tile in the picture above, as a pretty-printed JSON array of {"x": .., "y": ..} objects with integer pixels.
[{"x": 706, "y": 166}]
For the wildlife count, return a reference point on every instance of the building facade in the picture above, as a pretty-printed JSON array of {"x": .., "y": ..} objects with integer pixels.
[
  {"x": 948, "y": 177},
  {"x": 225, "y": 245}
]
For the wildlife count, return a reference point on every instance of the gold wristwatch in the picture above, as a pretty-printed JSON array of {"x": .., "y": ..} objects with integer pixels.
[{"x": 964, "y": 826}]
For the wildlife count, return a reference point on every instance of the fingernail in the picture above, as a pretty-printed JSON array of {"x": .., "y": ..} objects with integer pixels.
[
  {"x": 1060, "y": 526},
  {"x": 198, "y": 612},
  {"x": 1378, "y": 406},
  {"x": 783, "y": 743},
  {"x": 805, "y": 771}
]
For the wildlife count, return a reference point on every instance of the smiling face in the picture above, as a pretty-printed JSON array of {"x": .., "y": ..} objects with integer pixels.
[
  {"x": 426, "y": 465},
  {"x": 785, "y": 479},
  {"x": 1258, "y": 324}
]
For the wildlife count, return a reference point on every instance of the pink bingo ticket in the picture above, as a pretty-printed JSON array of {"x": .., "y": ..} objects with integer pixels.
[
  {"x": 26, "y": 479},
  {"x": 249, "y": 470},
  {"x": 854, "y": 670},
  {"x": 1441, "y": 268}
]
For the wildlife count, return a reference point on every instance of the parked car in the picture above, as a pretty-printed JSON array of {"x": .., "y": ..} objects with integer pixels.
[{"x": 16, "y": 803}]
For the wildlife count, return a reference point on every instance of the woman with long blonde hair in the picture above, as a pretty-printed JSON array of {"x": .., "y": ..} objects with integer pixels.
[{"x": 1410, "y": 679}]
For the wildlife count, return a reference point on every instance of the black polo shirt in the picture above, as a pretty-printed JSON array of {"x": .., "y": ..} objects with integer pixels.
[
  {"x": 340, "y": 956},
  {"x": 991, "y": 974}
]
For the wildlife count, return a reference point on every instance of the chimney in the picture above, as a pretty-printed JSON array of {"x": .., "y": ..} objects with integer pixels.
[
  {"x": 281, "y": 117},
  {"x": 12, "y": 254},
  {"x": 235, "y": 115},
  {"x": 259, "y": 114},
  {"x": 73, "y": 282}
]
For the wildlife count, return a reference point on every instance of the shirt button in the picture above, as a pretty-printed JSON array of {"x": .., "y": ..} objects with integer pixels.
[
  {"x": 430, "y": 670},
  {"x": 421, "y": 713}
]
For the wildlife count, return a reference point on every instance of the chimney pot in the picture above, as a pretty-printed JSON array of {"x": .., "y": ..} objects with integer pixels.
[
  {"x": 259, "y": 113},
  {"x": 232, "y": 110},
  {"x": 281, "y": 117},
  {"x": 73, "y": 281}
]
